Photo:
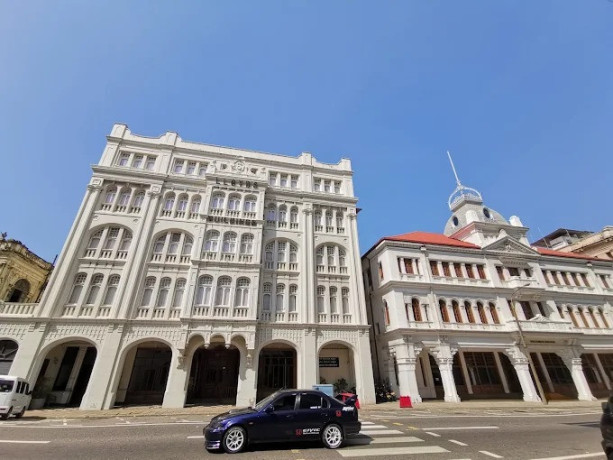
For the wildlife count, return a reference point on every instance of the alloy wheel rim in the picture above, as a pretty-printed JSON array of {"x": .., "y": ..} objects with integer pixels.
[
  {"x": 333, "y": 436},
  {"x": 235, "y": 440}
]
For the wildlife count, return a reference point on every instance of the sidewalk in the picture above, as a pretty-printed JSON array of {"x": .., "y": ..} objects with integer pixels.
[{"x": 435, "y": 407}]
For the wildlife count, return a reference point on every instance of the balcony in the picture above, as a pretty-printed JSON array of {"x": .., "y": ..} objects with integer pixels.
[
  {"x": 542, "y": 325},
  {"x": 459, "y": 281},
  {"x": 19, "y": 310},
  {"x": 516, "y": 282}
]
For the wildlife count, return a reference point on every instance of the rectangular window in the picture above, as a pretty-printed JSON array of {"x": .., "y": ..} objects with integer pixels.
[
  {"x": 201, "y": 169},
  {"x": 272, "y": 179},
  {"x": 380, "y": 271},
  {"x": 150, "y": 164},
  {"x": 481, "y": 271},
  {"x": 434, "y": 267},
  {"x": 294, "y": 183},
  {"x": 446, "y": 270},
  {"x": 123, "y": 159},
  {"x": 191, "y": 168},
  {"x": 337, "y": 187},
  {"x": 178, "y": 169},
  {"x": 137, "y": 162},
  {"x": 327, "y": 186},
  {"x": 500, "y": 272},
  {"x": 513, "y": 271},
  {"x": 458, "y": 270},
  {"x": 317, "y": 185},
  {"x": 541, "y": 309},
  {"x": 469, "y": 271},
  {"x": 527, "y": 309},
  {"x": 408, "y": 266},
  {"x": 283, "y": 180}
]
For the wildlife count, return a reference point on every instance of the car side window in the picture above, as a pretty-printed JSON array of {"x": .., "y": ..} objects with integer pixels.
[
  {"x": 285, "y": 403},
  {"x": 310, "y": 401}
]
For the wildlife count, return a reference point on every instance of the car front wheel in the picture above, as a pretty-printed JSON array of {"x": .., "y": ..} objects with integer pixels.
[
  {"x": 234, "y": 440},
  {"x": 332, "y": 436}
]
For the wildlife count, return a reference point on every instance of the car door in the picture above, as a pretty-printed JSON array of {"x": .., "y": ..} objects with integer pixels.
[
  {"x": 311, "y": 415},
  {"x": 276, "y": 423}
]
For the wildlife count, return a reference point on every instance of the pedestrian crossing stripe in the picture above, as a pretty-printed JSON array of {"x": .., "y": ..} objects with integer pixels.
[
  {"x": 380, "y": 451},
  {"x": 377, "y": 432},
  {"x": 366, "y": 440}
]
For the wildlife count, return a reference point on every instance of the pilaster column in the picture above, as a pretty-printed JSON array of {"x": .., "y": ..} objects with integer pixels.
[
  {"x": 308, "y": 269},
  {"x": 603, "y": 374},
  {"x": 572, "y": 359},
  {"x": 406, "y": 359},
  {"x": 357, "y": 286},
  {"x": 444, "y": 358},
  {"x": 176, "y": 386},
  {"x": 310, "y": 360},
  {"x": 503, "y": 378},
  {"x": 247, "y": 381},
  {"x": 522, "y": 368},
  {"x": 469, "y": 386}
]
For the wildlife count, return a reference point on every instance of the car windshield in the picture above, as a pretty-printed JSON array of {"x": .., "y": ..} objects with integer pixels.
[
  {"x": 264, "y": 402},
  {"x": 6, "y": 386}
]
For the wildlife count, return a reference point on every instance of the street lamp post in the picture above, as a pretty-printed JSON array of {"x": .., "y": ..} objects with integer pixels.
[{"x": 524, "y": 347}]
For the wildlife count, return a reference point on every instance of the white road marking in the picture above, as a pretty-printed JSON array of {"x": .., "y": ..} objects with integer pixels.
[
  {"x": 570, "y": 457},
  {"x": 439, "y": 428},
  {"x": 387, "y": 440},
  {"x": 368, "y": 423},
  {"x": 369, "y": 432},
  {"x": 485, "y": 452},
  {"x": 361, "y": 452},
  {"x": 436, "y": 435},
  {"x": 375, "y": 427},
  {"x": 196, "y": 437},
  {"x": 24, "y": 442},
  {"x": 458, "y": 442}
]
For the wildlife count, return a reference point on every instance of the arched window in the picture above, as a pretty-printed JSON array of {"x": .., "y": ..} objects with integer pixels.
[
  {"x": 339, "y": 219},
  {"x": 234, "y": 202},
  {"x": 20, "y": 291},
  {"x": 321, "y": 292},
  {"x": 319, "y": 256},
  {"x": 205, "y": 287},
  {"x": 195, "y": 207},
  {"x": 293, "y": 215},
  {"x": 280, "y": 300},
  {"x": 126, "y": 240},
  {"x": 173, "y": 247},
  {"x": 250, "y": 203},
  {"x": 482, "y": 314},
  {"x": 77, "y": 288},
  {"x": 111, "y": 238},
  {"x": 158, "y": 247},
  {"x": 583, "y": 318},
  {"x": 416, "y": 309},
  {"x": 188, "y": 244},
  {"x": 94, "y": 241},
  {"x": 444, "y": 312},
  {"x": 217, "y": 201},
  {"x": 267, "y": 290},
  {"x": 111, "y": 290},
  {"x": 282, "y": 214},
  {"x": 94, "y": 289},
  {"x": 169, "y": 202},
  {"x": 494, "y": 313},
  {"x": 293, "y": 295},
  {"x": 281, "y": 251},
  {"x": 293, "y": 253},
  {"x": 124, "y": 197},
  {"x": 211, "y": 243},
  {"x": 386, "y": 313},
  {"x": 331, "y": 256},
  {"x": 345, "y": 294},
  {"x": 333, "y": 300},
  {"x": 457, "y": 315},
  {"x": 182, "y": 204},
  {"x": 276, "y": 255},
  {"x": 268, "y": 254},
  {"x": 469, "y": 312},
  {"x": 317, "y": 218},
  {"x": 229, "y": 243},
  {"x": 163, "y": 292},
  {"x": 246, "y": 244},
  {"x": 148, "y": 293},
  {"x": 177, "y": 298},
  {"x": 342, "y": 259},
  {"x": 329, "y": 219},
  {"x": 138, "y": 200},
  {"x": 242, "y": 292},
  {"x": 271, "y": 213},
  {"x": 109, "y": 196},
  {"x": 223, "y": 291}
]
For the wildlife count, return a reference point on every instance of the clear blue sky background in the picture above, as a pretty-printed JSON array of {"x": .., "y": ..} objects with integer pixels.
[{"x": 521, "y": 92}]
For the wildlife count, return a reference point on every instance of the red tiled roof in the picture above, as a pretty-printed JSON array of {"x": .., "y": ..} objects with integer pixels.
[
  {"x": 431, "y": 238},
  {"x": 553, "y": 252}
]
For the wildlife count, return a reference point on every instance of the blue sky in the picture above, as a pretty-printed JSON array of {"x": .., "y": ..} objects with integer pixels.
[{"x": 521, "y": 92}]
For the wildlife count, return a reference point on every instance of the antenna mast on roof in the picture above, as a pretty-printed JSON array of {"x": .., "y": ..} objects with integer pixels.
[{"x": 454, "y": 171}]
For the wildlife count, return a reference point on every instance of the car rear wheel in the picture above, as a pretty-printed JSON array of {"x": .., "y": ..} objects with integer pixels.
[
  {"x": 234, "y": 440},
  {"x": 332, "y": 436},
  {"x": 20, "y": 414}
]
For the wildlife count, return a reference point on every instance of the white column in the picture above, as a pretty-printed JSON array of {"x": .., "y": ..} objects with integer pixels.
[
  {"x": 444, "y": 359},
  {"x": 407, "y": 379},
  {"x": 522, "y": 368},
  {"x": 574, "y": 364},
  {"x": 307, "y": 286},
  {"x": 544, "y": 370},
  {"x": 176, "y": 385},
  {"x": 469, "y": 385},
  {"x": 503, "y": 378},
  {"x": 362, "y": 363},
  {"x": 247, "y": 380},
  {"x": 603, "y": 374}
]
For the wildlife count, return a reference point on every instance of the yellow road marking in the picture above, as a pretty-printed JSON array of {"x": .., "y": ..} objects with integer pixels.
[
  {"x": 396, "y": 423},
  {"x": 411, "y": 427},
  {"x": 295, "y": 451}
]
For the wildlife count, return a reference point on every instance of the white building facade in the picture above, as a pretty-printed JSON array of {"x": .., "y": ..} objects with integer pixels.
[
  {"x": 193, "y": 274},
  {"x": 464, "y": 314}
]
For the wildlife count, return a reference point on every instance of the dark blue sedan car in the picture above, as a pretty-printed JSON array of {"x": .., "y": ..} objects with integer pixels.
[{"x": 286, "y": 415}]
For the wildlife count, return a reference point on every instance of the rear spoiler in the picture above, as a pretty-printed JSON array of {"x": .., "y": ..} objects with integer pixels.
[{"x": 351, "y": 400}]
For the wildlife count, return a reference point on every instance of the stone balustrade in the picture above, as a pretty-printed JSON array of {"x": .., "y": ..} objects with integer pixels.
[{"x": 23, "y": 310}]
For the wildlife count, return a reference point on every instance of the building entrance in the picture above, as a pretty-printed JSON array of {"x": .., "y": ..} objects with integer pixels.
[
  {"x": 276, "y": 370},
  {"x": 214, "y": 376}
]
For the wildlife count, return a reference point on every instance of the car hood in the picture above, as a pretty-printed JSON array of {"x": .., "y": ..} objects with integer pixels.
[{"x": 232, "y": 413}]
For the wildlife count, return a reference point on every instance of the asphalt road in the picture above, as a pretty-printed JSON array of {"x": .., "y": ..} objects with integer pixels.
[{"x": 412, "y": 435}]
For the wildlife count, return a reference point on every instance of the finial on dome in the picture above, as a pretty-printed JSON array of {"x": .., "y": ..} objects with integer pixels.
[{"x": 461, "y": 192}]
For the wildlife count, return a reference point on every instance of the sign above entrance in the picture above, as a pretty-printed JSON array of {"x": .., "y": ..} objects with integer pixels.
[{"x": 328, "y": 362}]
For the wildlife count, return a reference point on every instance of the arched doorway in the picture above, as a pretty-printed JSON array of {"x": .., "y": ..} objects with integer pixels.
[
  {"x": 64, "y": 374},
  {"x": 145, "y": 374},
  {"x": 336, "y": 367},
  {"x": 276, "y": 369},
  {"x": 8, "y": 350},
  {"x": 214, "y": 375}
]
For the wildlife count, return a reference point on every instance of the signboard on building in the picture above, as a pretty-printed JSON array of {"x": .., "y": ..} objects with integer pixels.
[{"x": 328, "y": 361}]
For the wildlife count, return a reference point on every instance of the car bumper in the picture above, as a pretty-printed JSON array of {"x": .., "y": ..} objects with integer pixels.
[
  {"x": 212, "y": 437},
  {"x": 352, "y": 428},
  {"x": 4, "y": 409}
]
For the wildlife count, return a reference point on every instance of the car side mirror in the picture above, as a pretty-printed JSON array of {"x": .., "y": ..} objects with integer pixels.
[{"x": 270, "y": 409}]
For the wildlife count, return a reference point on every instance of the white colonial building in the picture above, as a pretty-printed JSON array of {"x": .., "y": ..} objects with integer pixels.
[
  {"x": 195, "y": 273},
  {"x": 465, "y": 314}
]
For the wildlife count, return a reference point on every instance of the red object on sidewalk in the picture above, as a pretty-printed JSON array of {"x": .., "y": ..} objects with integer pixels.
[{"x": 405, "y": 402}]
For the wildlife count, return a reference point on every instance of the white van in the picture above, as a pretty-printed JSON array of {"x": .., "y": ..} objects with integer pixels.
[{"x": 15, "y": 396}]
